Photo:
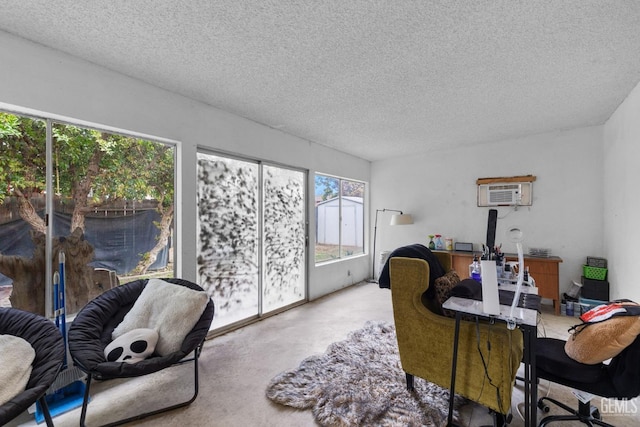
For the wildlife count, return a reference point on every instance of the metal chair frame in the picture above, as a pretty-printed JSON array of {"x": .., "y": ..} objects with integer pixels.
[{"x": 196, "y": 355}]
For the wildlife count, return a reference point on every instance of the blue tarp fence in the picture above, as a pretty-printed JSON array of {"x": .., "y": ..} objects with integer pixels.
[{"x": 119, "y": 242}]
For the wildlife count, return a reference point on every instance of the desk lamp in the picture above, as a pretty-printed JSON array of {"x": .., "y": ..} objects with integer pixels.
[{"x": 516, "y": 236}]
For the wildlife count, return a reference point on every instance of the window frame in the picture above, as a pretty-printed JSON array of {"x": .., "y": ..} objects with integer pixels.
[
  {"x": 340, "y": 198},
  {"x": 51, "y": 120}
]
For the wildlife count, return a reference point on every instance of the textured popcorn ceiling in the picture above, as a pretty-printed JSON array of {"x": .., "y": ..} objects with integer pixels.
[{"x": 371, "y": 78}]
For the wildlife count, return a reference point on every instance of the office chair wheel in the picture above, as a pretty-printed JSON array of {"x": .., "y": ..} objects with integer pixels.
[
  {"x": 543, "y": 406},
  {"x": 595, "y": 413}
]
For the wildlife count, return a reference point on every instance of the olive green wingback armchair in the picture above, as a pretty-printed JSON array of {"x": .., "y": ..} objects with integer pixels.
[{"x": 425, "y": 341}]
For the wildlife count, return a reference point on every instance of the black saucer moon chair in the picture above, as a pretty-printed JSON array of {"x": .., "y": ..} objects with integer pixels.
[
  {"x": 92, "y": 329},
  {"x": 47, "y": 343},
  {"x": 620, "y": 379}
]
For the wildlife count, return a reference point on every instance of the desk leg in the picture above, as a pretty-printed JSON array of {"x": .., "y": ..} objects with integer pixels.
[
  {"x": 530, "y": 377},
  {"x": 534, "y": 376},
  {"x": 453, "y": 369},
  {"x": 527, "y": 376}
]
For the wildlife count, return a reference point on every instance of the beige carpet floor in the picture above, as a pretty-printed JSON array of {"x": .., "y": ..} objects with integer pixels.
[{"x": 235, "y": 369}]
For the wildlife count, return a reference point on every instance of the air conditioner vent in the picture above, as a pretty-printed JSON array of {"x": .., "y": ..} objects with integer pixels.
[{"x": 508, "y": 194}]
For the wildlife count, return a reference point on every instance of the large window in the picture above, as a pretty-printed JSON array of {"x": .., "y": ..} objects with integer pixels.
[
  {"x": 96, "y": 203},
  {"x": 339, "y": 218}
]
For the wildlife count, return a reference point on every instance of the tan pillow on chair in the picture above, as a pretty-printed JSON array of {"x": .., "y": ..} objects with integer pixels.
[{"x": 593, "y": 343}]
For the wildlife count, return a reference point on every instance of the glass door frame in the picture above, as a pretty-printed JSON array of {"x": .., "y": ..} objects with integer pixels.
[{"x": 260, "y": 246}]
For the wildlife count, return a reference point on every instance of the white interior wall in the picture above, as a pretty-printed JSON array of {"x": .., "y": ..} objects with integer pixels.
[
  {"x": 55, "y": 84},
  {"x": 439, "y": 189},
  {"x": 621, "y": 202}
]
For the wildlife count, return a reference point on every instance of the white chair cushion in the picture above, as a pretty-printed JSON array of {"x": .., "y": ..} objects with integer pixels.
[
  {"x": 172, "y": 310},
  {"x": 16, "y": 357}
]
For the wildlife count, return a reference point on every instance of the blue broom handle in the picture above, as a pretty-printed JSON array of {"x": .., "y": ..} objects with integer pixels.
[
  {"x": 62, "y": 306},
  {"x": 56, "y": 305}
]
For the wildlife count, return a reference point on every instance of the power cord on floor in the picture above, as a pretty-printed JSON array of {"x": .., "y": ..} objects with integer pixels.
[
  {"x": 485, "y": 363},
  {"x": 540, "y": 322}
]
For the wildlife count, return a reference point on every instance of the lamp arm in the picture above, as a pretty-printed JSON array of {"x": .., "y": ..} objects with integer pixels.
[
  {"x": 375, "y": 235},
  {"x": 388, "y": 210}
]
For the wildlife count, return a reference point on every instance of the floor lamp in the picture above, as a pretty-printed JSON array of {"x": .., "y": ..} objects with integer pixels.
[{"x": 397, "y": 219}]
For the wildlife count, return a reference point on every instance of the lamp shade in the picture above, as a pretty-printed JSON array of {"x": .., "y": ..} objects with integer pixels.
[
  {"x": 515, "y": 234},
  {"x": 401, "y": 219}
]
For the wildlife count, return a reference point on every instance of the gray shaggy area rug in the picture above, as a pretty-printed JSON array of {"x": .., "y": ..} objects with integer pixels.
[{"x": 360, "y": 382}]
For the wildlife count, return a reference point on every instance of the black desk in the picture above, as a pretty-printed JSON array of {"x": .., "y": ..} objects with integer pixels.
[{"x": 526, "y": 320}]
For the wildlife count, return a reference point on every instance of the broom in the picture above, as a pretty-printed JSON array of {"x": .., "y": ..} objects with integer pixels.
[{"x": 67, "y": 391}]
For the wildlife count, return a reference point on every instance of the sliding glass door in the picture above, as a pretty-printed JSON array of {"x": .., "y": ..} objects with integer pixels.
[
  {"x": 284, "y": 232},
  {"x": 228, "y": 236},
  {"x": 251, "y": 236}
]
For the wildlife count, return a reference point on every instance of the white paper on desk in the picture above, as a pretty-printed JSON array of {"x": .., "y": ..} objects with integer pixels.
[{"x": 490, "y": 297}]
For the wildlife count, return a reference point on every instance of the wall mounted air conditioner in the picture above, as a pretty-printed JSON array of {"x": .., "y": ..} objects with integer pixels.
[
  {"x": 505, "y": 191},
  {"x": 501, "y": 195}
]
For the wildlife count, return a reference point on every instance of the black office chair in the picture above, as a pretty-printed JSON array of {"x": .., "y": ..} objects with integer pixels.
[
  {"x": 91, "y": 332},
  {"x": 620, "y": 379},
  {"x": 47, "y": 343}
]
